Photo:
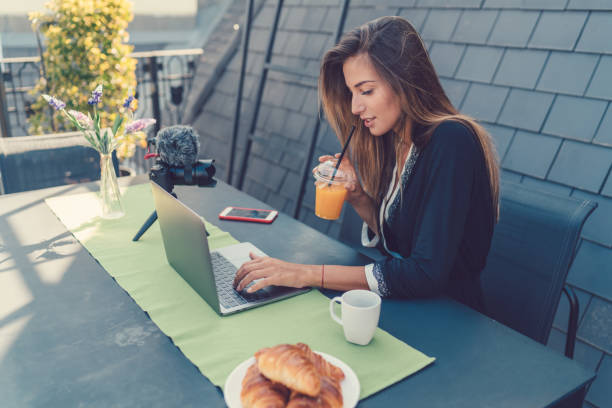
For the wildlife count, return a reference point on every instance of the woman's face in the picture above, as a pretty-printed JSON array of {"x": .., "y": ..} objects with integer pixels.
[{"x": 376, "y": 104}]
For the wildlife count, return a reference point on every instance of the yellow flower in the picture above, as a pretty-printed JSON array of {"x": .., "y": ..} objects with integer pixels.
[{"x": 83, "y": 41}]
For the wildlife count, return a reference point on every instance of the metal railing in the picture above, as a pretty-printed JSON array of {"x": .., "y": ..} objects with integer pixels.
[
  {"x": 19, "y": 75},
  {"x": 164, "y": 79}
]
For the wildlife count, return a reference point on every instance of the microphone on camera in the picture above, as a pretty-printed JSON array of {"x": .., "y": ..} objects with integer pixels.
[
  {"x": 177, "y": 163},
  {"x": 178, "y": 145}
]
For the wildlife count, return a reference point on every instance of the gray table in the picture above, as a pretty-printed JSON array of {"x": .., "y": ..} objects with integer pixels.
[{"x": 70, "y": 336}]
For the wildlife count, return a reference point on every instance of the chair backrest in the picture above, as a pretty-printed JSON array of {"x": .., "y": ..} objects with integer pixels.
[
  {"x": 32, "y": 162},
  {"x": 533, "y": 246}
]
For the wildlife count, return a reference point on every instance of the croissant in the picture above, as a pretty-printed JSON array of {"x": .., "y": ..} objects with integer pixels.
[
  {"x": 329, "y": 397},
  {"x": 259, "y": 392},
  {"x": 323, "y": 367},
  {"x": 288, "y": 365}
]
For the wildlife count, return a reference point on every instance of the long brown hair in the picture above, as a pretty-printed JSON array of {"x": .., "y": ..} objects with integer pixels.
[{"x": 400, "y": 58}]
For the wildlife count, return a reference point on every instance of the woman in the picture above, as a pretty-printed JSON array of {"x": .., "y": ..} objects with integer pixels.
[{"x": 427, "y": 186}]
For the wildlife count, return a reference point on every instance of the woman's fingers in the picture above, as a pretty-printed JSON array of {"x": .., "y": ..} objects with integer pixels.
[
  {"x": 250, "y": 277},
  {"x": 326, "y": 157},
  {"x": 260, "y": 284},
  {"x": 248, "y": 266},
  {"x": 253, "y": 256},
  {"x": 266, "y": 271},
  {"x": 259, "y": 267},
  {"x": 244, "y": 269}
]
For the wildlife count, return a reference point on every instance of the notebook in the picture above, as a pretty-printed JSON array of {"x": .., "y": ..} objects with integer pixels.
[{"x": 209, "y": 273}]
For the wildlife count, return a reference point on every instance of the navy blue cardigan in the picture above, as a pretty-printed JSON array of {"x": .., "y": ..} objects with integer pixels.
[{"x": 443, "y": 225}]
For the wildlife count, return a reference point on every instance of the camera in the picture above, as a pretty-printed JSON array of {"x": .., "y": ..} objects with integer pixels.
[
  {"x": 177, "y": 149},
  {"x": 175, "y": 164},
  {"x": 199, "y": 174}
]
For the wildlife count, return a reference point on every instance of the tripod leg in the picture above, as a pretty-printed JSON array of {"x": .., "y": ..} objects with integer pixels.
[{"x": 145, "y": 226}]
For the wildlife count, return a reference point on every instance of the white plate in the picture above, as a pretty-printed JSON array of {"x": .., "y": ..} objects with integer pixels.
[{"x": 350, "y": 384}]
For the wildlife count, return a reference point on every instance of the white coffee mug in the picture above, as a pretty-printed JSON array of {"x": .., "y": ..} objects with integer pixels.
[{"x": 360, "y": 311}]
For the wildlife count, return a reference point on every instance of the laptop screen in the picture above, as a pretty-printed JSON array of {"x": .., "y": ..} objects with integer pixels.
[{"x": 184, "y": 236}]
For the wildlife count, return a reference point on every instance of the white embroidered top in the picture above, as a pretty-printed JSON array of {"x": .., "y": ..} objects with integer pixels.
[{"x": 388, "y": 206}]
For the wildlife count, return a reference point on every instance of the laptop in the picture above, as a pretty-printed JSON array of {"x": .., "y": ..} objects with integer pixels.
[{"x": 209, "y": 273}]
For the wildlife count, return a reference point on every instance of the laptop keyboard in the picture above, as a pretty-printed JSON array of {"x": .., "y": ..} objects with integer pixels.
[{"x": 224, "y": 272}]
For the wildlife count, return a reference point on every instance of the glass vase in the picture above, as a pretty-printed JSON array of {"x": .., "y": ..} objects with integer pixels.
[{"x": 110, "y": 197}]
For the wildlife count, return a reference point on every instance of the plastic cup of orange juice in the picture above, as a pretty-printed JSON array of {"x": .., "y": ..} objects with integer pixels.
[{"x": 330, "y": 194}]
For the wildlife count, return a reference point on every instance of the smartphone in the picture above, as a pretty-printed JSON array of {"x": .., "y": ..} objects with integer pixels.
[{"x": 248, "y": 214}]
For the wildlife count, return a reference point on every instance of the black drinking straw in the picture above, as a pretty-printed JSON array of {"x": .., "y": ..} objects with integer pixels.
[{"x": 342, "y": 154}]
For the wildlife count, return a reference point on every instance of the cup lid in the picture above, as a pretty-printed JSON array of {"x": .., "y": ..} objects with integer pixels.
[{"x": 325, "y": 171}]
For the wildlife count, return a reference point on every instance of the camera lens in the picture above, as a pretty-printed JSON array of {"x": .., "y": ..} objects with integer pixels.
[{"x": 201, "y": 174}]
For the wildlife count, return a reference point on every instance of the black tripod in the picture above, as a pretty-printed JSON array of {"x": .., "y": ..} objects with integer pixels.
[
  {"x": 150, "y": 221},
  {"x": 201, "y": 174},
  {"x": 164, "y": 180}
]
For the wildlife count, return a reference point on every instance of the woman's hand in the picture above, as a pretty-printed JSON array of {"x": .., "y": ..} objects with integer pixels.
[
  {"x": 355, "y": 195},
  {"x": 271, "y": 271},
  {"x": 355, "y": 192}
]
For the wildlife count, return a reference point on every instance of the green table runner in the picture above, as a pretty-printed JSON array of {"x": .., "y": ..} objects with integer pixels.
[{"x": 218, "y": 344}]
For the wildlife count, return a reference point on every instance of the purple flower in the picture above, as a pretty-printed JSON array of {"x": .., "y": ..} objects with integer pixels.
[
  {"x": 128, "y": 101},
  {"x": 95, "y": 95},
  {"x": 138, "y": 125},
  {"x": 56, "y": 103},
  {"x": 83, "y": 119}
]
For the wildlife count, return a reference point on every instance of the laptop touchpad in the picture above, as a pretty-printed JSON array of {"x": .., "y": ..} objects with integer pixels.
[{"x": 268, "y": 291}]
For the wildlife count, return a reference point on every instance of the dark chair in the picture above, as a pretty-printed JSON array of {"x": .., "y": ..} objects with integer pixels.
[
  {"x": 32, "y": 162},
  {"x": 533, "y": 247}
]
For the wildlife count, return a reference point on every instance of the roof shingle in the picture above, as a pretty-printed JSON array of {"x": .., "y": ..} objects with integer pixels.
[
  {"x": 440, "y": 24},
  {"x": 415, "y": 16},
  {"x": 574, "y": 118},
  {"x": 526, "y": 109},
  {"x": 597, "y": 33},
  {"x": 449, "y": 3},
  {"x": 479, "y": 63},
  {"x": 484, "y": 101},
  {"x": 567, "y": 72},
  {"x": 590, "y": 5},
  {"x": 604, "y": 133},
  {"x": 596, "y": 328},
  {"x": 502, "y": 136},
  {"x": 513, "y": 28},
  {"x": 558, "y": 30},
  {"x": 474, "y": 26},
  {"x": 520, "y": 68},
  {"x": 586, "y": 270},
  {"x": 531, "y": 153},
  {"x": 601, "y": 84},
  {"x": 581, "y": 165},
  {"x": 455, "y": 90},
  {"x": 446, "y": 57}
]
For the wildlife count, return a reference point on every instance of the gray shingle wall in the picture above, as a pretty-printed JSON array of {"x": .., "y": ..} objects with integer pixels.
[
  {"x": 537, "y": 73},
  {"x": 604, "y": 133},
  {"x": 475, "y": 26},
  {"x": 551, "y": 68},
  {"x": 548, "y": 36},
  {"x": 520, "y": 68}
]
